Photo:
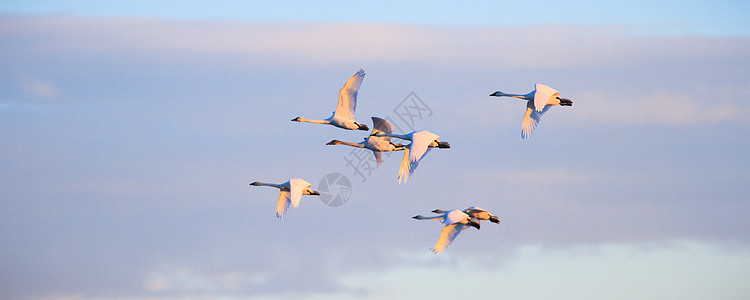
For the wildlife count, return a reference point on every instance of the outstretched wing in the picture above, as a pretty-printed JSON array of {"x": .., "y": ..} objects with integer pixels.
[
  {"x": 420, "y": 142},
  {"x": 454, "y": 216},
  {"x": 348, "y": 96},
  {"x": 531, "y": 120},
  {"x": 297, "y": 186},
  {"x": 283, "y": 205},
  {"x": 403, "y": 170},
  {"x": 415, "y": 152},
  {"x": 542, "y": 95},
  {"x": 380, "y": 126},
  {"x": 447, "y": 236},
  {"x": 378, "y": 157}
]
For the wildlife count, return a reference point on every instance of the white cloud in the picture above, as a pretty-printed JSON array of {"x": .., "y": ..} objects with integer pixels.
[{"x": 682, "y": 270}]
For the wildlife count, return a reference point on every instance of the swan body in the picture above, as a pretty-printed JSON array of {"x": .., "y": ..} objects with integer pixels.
[
  {"x": 454, "y": 221},
  {"x": 343, "y": 116},
  {"x": 421, "y": 143},
  {"x": 290, "y": 194},
  {"x": 475, "y": 212},
  {"x": 539, "y": 101},
  {"x": 378, "y": 144}
]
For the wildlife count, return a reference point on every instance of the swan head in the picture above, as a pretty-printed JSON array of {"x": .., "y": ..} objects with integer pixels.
[
  {"x": 418, "y": 217},
  {"x": 256, "y": 183},
  {"x": 362, "y": 127},
  {"x": 312, "y": 192},
  {"x": 495, "y": 219},
  {"x": 334, "y": 142},
  {"x": 565, "y": 102},
  {"x": 443, "y": 144},
  {"x": 497, "y": 94},
  {"x": 297, "y": 119},
  {"x": 439, "y": 211},
  {"x": 474, "y": 223}
]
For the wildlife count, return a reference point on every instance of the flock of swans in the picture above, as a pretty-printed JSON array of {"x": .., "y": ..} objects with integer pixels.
[{"x": 421, "y": 142}]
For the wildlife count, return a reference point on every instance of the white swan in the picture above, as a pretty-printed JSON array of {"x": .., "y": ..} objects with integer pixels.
[
  {"x": 290, "y": 193},
  {"x": 343, "y": 116},
  {"x": 476, "y": 213},
  {"x": 421, "y": 143},
  {"x": 455, "y": 221},
  {"x": 378, "y": 144},
  {"x": 539, "y": 101}
]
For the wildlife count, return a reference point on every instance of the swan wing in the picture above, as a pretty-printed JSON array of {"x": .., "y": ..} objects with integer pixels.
[
  {"x": 531, "y": 120},
  {"x": 378, "y": 157},
  {"x": 296, "y": 189},
  {"x": 381, "y": 142},
  {"x": 348, "y": 96},
  {"x": 449, "y": 233},
  {"x": 542, "y": 95},
  {"x": 454, "y": 216},
  {"x": 420, "y": 142},
  {"x": 283, "y": 205},
  {"x": 403, "y": 170},
  {"x": 380, "y": 126}
]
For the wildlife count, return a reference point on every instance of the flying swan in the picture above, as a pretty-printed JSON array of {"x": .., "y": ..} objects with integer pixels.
[
  {"x": 343, "y": 116},
  {"x": 476, "y": 213},
  {"x": 378, "y": 144},
  {"x": 421, "y": 143},
  {"x": 454, "y": 221},
  {"x": 539, "y": 101},
  {"x": 290, "y": 193}
]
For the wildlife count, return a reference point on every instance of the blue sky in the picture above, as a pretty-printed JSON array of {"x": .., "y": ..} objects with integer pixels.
[
  {"x": 129, "y": 135},
  {"x": 660, "y": 17}
]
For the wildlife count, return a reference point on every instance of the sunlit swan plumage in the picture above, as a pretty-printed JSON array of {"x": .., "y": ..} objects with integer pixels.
[
  {"x": 539, "y": 101},
  {"x": 378, "y": 144},
  {"x": 421, "y": 143},
  {"x": 290, "y": 193},
  {"x": 454, "y": 221},
  {"x": 343, "y": 116},
  {"x": 476, "y": 213}
]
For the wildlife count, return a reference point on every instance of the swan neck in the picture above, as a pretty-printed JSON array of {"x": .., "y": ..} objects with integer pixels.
[
  {"x": 358, "y": 145},
  {"x": 301, "y": 119},
  {"x": 258, "y": 183}
]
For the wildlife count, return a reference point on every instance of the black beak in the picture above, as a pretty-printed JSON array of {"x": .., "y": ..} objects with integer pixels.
[
  {"x": 315, "y": 193},
  {"x": 565, "y": 102},
  {"x": 363, "y": 127},
  {"x": 495, "y": 94},
  {"x": 495, "y": 219},
  {"x": 475, "y": 224},
  {"x": 443, "y": 145},
  {"x": 295, "y": 119}
]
